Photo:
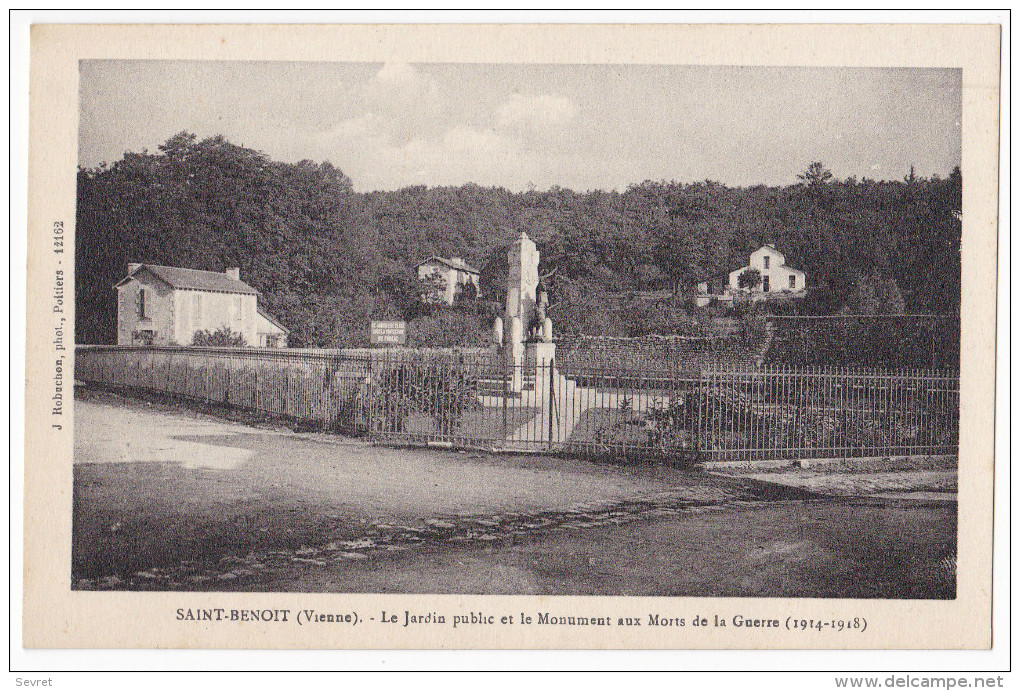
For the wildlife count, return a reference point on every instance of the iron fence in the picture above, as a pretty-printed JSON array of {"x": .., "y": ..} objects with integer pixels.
[
  {"x": 479, "y": 399},
  {"x": 778, "y": 411}
]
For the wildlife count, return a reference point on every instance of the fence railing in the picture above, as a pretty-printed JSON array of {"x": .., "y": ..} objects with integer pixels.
[
  {"x": 477, "y": 399},
  {"x": 780, "y": 411}
]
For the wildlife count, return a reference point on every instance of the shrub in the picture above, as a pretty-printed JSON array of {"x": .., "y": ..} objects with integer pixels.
[
  {"x": 222, "y": 337},
  {"x": 749, "y": 279},
  {"x": 669, "y": 316},
  {"x": 436, "y": 389},
  {"x": 753, "y": 329},
  {"x": 449, "y": 329}
]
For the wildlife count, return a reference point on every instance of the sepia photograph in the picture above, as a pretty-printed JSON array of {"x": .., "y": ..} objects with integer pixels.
[
  {"x": 517, "y": 329},
  {"x": 511, "y": 337}
]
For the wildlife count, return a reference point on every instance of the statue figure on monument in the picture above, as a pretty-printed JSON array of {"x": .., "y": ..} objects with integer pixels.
[{"x": 537, "y": 325}]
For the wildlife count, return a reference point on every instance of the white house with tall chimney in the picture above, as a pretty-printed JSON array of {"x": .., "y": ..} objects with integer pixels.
[
  {"x": 454, "y": 271},
  {"x": 166, "y": 305}
]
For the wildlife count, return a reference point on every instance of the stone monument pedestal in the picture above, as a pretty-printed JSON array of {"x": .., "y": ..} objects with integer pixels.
[
  {"x": 540, "y": 359},
  {"x": 514, "y": 352},
  {"x": 540, "y": 355}
]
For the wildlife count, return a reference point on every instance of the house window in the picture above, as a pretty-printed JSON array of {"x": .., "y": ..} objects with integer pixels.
[
  {"x": 143, "y": 308},
  {"x": 238, "y": 318},
  {"x": 196, "y": 308},
  {"x": 765, "y": 263},
  {"x": 793, "y": 282},
  {"x": 765, "y": 283}
]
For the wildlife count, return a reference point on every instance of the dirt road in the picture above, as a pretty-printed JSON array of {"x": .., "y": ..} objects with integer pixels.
[
  {"x": 169, "y": 499},
  {"x": 865, "y": 549}
]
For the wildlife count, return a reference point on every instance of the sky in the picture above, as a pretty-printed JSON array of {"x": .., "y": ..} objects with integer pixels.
[{"x": 535, "y": 126}]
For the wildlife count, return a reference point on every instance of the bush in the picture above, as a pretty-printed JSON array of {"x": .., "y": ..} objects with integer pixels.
[
  {"x": 862, "y": 340},
  {"x": 437, "y": 389},
  {"x": 668, "y": 316},
  {"x": 753, "y": 329},
  {"x": 222, "y": 337},
  {"x": 449, "y": 328}
]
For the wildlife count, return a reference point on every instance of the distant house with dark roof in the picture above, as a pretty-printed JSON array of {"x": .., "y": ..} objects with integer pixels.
[
  {"x": 455, "y": 272},
  {"x": 164, "y": 305}
]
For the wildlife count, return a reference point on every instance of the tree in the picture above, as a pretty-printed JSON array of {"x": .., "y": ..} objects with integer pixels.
[
  {"x": 432, "y": 288},
  {"x": 815, "y": 175},
  {"x": 892, "y": 298},
  {"x": 465, "y": 294},
  {"x": 749, "y": 279},
  {"x": 328, "y": 259},
  {"x": 865, "y": 298}
]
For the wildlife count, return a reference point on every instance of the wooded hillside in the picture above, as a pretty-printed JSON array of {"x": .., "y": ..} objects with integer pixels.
[{"x": 327, "y": 259}]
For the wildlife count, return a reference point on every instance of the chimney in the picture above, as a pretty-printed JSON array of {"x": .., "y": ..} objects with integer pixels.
[
  {"x": 132, "y": 267},
  {"x": 234, "y": 272},
  {"x": 456, "y": 261}
]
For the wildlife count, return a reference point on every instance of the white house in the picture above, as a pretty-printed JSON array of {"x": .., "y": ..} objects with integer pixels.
[
  {"x": 271, "y": 333},
  {"x": 776, "y": 276},
  {"x": 777, "y": 279},
  {"x": 455, "y": 272},
  {"x": 166, "y": 305}
]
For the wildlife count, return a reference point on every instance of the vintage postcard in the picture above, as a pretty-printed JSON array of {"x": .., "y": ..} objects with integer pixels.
[{"x": 511, "y": 336}]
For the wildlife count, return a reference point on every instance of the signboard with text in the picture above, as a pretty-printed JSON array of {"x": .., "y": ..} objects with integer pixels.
[{"x": 389, "y": 333}]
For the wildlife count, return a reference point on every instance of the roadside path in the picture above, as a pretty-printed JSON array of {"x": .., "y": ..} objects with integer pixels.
[
  {"x": 379, "y": 537},
  {"x": 167, "y": 499}
]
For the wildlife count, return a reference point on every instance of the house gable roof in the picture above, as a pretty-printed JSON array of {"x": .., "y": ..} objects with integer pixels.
[
  {"x": 771, "y": 249},
  {"x": 268, "y": 317},
  {"x": 193, "y": 279},
  {"x": 450, "y": 265}
]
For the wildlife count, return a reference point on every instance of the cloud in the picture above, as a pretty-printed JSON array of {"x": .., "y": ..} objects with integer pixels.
[
  {"x": 477, "y": 142},
  {"x": 485, "y": 155},
  {"x": 365, "y": 127},
  {"x": 541, "y": 116},
  {"x": 410, "y": 130},
  {"x": 408, "y": 96}
]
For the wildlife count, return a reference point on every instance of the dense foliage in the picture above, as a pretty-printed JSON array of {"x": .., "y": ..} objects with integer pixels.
[
  {"x": 435, "y": 390},
  {"x": 327, "y": 259},
  {"x": 891, "y": 342},
  {"x": 222, "y": 337}
]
